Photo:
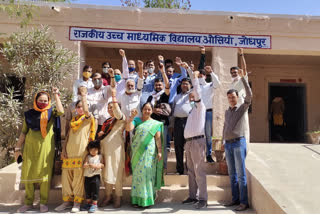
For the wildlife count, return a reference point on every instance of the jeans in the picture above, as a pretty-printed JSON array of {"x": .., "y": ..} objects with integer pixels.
[
  {"x": 92, "y": 187},
  {"x": 208, "y": 132},
  {"x": 236, "y": 153}
]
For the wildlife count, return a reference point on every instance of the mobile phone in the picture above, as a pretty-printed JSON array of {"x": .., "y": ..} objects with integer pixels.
[{"x": 19, "y": 160}]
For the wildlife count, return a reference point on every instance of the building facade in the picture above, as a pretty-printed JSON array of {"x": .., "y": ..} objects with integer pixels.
[{"x": 289, "y": 68}]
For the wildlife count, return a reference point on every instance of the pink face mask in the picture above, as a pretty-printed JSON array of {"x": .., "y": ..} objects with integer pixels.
[
  {"x": 42, "y": 105},
  {"x": 79, "y": 111}
]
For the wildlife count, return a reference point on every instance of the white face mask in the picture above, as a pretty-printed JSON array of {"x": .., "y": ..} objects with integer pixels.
[
  {"x": 202, "y": 81},
  {"x": 235, "y": 78},
  {"x": 105, "y": 70}
]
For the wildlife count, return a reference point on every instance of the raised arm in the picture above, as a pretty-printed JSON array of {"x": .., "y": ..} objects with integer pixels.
[
  {"x": 202, "y": 58},
  {"x": 165, "y": 79},
  {"x": 243, "y": 62},
  {"x": 196, "y": 85},
  {"x": 56, "y": 94},
  {"x": 116, "y": 109},
  {"x": 83, "y": 93},
  {"x": 140, "y": 80},
  {"x": 111, "y": 74},
  {"x": 130, "y": 125},
  {"x": 215, "y": 80},
  {"x": 183, "y": 70},
  {"x": 125, "y": 68}
]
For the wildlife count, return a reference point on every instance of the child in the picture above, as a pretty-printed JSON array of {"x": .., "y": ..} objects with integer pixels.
[{"x": 92, "y": 169}]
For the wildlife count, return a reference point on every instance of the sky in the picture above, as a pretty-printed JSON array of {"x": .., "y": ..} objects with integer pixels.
[{"x": 292, "y": 7}]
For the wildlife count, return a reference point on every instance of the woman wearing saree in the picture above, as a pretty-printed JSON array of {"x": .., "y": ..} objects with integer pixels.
[
  {"x": 38, "y": 137},
  {"x": 146, "y": 161}
]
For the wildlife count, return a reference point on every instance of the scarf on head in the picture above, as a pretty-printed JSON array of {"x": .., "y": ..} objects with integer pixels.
[
  {"x": 44, "y": 117},
  {"x": 75, "y": 124},
  {"x": 156, "y": 96}
]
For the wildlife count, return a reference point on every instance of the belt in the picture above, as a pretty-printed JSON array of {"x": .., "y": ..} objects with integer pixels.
[
  {"x": 181, "y": 118},
  {"x": 210, "y": 109},
  {"x": 234, "y": 140},
  {"x": 194, "y": 138}
]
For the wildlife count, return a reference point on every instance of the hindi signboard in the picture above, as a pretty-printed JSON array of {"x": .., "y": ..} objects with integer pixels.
[{"x": 169, "y": 38}]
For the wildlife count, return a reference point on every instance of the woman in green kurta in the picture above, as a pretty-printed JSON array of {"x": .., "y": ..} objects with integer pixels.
[
  {"x": 37, "y": 135},
  {"x": 146, "y": 162}
]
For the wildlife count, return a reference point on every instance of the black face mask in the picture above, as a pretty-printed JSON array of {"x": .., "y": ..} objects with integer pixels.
[{"x": 208, "y": 78}]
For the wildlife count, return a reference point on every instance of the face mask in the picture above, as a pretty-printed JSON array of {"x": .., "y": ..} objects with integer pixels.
[
  {"x": 97, "y": 83},
  {"x": 117, "y": 77},
  {"x": 105, "y": 70},
  {"x": 169, "y": 76},
  {"x": 192, "y": 104},
  {"x": 150, "y": 70},
  {"x": 42, "y": 105},
  {"x": 132, "y": 69},
  {"x": 235, "y": 78},
  {"x": 79, "y": 111},
  {"x": 86, "y": 74}
]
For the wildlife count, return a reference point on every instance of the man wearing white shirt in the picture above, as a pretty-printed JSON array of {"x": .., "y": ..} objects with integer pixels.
[
  {"x": 195, "y": 148},
  {"x": 84, "y": 81},
  {"x": 99, "y": 95},
  {"x": 130, "y": 99},
  {"x": 238, "y": 85}
]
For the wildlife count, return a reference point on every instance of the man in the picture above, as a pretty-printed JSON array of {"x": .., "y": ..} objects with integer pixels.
[
  {"x": 161, "y": 108},
  {"x": 130, "y": 99},
  {"x": 181, "y": 109},
  {"x": 195, "y": 147},
  {"x": 105, "y": 75},
  {"x": 239, "y": 86},
  {"x": 234, "y": 131},
  {"x": 85, "y": 80},
  {"x": 131, "y": 67},
  {"x": 207, "y": 92},
  {"x": 99, "y": 95},
  {"x": 175, "y": 78}
]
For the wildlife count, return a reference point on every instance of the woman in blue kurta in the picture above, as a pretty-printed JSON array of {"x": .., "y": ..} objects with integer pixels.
[{"x": 146, "y": 161}]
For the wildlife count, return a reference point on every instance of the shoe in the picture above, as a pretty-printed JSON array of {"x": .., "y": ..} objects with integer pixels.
[
  {"x": 117, "y": 202},
  {"x": 201, "y": 204},
  {"x": 209, "y": 159},
  {"x": 64, "y": 206},
  {"x": 75, "y": 208},
  {"x": 93, "y": 208},
  {"x": 190, "y": 201},
  {"x": 232, "y": 203},
  {"x": 44, "y": 208},
  {"x": 242, "y": 207},
  {"x": 24, "y": 208},
  {"x": 85, "y": 207}
]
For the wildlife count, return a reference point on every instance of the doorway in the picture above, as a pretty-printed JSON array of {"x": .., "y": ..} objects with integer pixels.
[{"x": 287, "y": 112}]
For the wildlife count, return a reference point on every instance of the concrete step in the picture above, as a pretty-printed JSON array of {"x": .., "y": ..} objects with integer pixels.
[
  {"x": 173, "y": 207},
  {"x": 166, "y": 194},
  {"x": 169, "y": 180}
]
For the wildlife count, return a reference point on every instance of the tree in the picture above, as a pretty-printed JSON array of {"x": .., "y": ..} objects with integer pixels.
[
  {"x": 22, "y": 10},
  {"x": 171, "y": 4},
  {"x": 40, "y": 62}
]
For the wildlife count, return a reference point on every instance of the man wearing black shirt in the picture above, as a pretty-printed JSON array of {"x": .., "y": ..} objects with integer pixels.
[{"x": 160, "y": 101}]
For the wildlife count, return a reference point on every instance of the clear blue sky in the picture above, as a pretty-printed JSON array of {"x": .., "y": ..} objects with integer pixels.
[{"x": 298, "y": 7}]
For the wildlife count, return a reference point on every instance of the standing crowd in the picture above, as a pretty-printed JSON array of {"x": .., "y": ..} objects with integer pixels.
[{"x": 120, "y": 123}]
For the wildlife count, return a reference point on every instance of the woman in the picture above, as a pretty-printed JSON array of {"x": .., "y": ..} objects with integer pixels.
[
  {"x": 146, "y": 162},
  {"x": 82, "y": 130},
  {"x": 112, "y": 143},
  {"x": 37, "y": 135}
]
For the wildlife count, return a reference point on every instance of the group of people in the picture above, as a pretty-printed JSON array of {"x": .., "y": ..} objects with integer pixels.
[{"x": 118, "y": 124}]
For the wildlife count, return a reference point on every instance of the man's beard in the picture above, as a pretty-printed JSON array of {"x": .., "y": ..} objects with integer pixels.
[{"x": 130, "y": 91}]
